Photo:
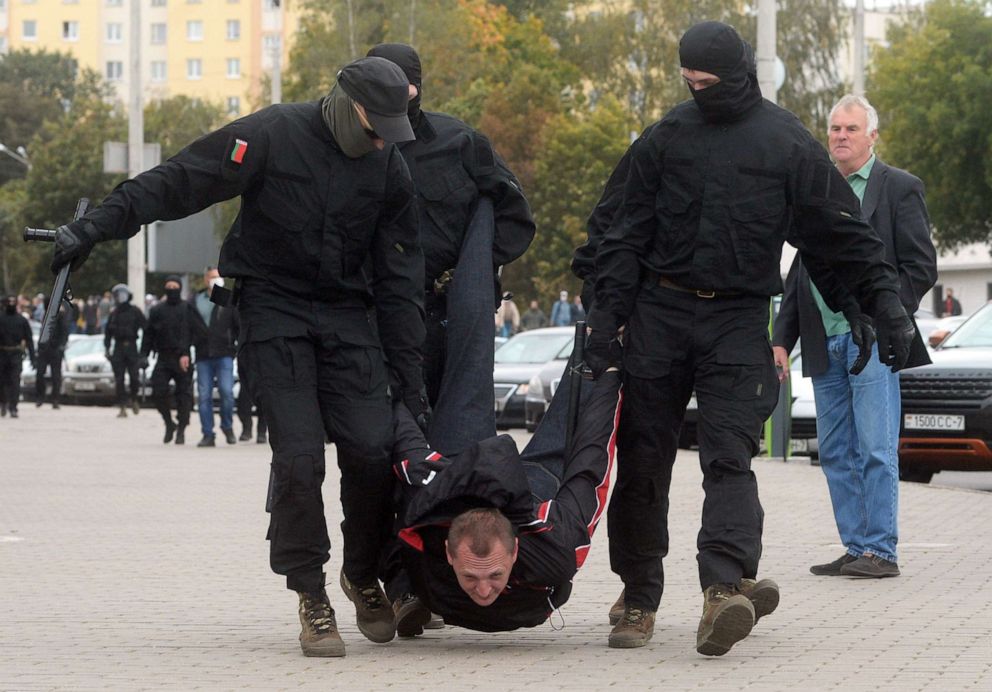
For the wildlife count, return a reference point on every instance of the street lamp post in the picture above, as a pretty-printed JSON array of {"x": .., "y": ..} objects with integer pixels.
[{"x": 20, "y": 155}]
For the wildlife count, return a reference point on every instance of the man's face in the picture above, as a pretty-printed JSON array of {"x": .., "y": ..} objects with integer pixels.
[
  {"x": 483, "y": 578},
  {"x": 699, "y": 80},
  {"x": 850, "y": 141},
  {"x": 209, "y": 276}
]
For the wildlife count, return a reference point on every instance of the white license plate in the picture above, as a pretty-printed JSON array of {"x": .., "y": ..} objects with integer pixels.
[
  {"x": 85, "y": 386},
  {"x": 932, "y": 421}
]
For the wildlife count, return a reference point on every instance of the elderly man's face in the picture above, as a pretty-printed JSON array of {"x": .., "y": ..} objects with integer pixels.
[
  {"x": 850, "y": 140},
  {"x": 483, "y": 578}
]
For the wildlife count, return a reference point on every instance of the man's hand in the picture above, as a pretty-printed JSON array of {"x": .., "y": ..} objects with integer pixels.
[
  {"x": 184, "y": 363},
  {"x": 863, "y": 336},
  {"x": 602, "y": 351},
  {"x": 106, "y": 353},
  {"x": 895, "y": 330},
  {"x": 417, "y": 403},
  {"x": 73, "y": 244},
  {"x": 781, "y": 362}
]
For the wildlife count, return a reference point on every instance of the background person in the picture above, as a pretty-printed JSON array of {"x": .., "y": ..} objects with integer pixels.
[
  {"x": 123, "y": 325},
  {"x": 534, "y": 317},
  {"x": 215, "y": 351},
  {"x": 561, "y": 311},
  {"x": 15, "y": 339},
  {"x": 50, "y": 356},
  {"x": 951, "y": 306}
]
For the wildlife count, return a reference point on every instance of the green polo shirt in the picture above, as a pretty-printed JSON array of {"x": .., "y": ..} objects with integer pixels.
[{"x": 834, "y": 323}]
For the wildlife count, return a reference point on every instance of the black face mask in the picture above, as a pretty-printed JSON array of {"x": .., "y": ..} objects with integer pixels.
[
  {"x": 173, "y": 295},
  {"x": 717, "y": 48},
  {"x": 10, "y": 308},
  {"x": 407, "y": 59}
]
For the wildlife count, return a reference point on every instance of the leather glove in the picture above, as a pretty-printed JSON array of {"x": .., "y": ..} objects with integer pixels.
[
  {"x": 603, "y": 350},
  {"x": 895, "y": 330},
  {"x": 417, "y": 403},
  {"x": 73, "y": 244},
  {"x": 863, "y": 336}
]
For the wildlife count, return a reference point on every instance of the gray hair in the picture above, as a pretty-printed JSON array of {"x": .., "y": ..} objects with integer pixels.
[{"x": 861, "y": 102}]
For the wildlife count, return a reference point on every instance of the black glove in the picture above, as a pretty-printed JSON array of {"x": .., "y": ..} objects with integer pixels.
[
  {"x": 106, "y": 353},
  {"x": 895, "y": 330},
  {"x": 603, "y": 350},
  {"x": 863, "y": 336},
  {"x": 73, "y": 243},
  {"x": 417, "y": 403}
]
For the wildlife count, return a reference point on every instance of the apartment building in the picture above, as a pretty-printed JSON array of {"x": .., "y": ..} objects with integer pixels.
[{"x": 216, "y": 50}]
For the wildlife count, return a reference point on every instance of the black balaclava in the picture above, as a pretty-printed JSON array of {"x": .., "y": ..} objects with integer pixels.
[
  {"x": 10, "y": 305},
  {"x": 173, "y": 295},
  {"x": 407, "y": 59},
  {"x": 717, "y": 48}
]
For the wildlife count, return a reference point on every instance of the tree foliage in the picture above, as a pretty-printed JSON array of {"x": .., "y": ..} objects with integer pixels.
[{"x": 933, "y": 90}]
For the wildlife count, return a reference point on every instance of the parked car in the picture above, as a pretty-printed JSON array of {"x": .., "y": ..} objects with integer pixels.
[
  {"x": 517, "y": 361},
  {"x": 28, "y": 374},
  {"x": 947, "y": 405},
  {"x": 543, "y": 385},
  {"x": 87, "y": 375}
]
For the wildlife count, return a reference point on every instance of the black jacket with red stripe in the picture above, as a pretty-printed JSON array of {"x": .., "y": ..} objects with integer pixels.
[{"x": 554, "y": 536}]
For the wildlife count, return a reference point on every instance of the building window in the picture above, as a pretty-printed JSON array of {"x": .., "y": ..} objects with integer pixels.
[
  {"x": 158, "y": 71},
  {"x": 159, "y": 32},
  {"x": 158, "y": 3},
  {"x": 115, "y": 32},
  {"x": 233, "y": 29},
  {"x": 194, "y": 30},
  {"x": 115, "y": 70},
  {"x": 29, "y": 30},
  {"x": 234, "y": 68},
  {"x": 233, "y": 105},
  {"x": 270, "y": 4},
  {"x": 70, "y": 31},
  {"x": 194, "y": 68}
]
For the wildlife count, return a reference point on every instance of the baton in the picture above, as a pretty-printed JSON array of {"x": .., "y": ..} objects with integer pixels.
[
  {"x": 61, "y": 290},
  {"x": 575, "y": 384}
]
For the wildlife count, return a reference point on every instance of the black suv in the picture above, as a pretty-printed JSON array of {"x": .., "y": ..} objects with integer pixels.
[{"x": 947, "y": 405}]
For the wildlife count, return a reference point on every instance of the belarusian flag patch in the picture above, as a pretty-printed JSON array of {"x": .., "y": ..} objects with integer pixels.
[{"x": 238, "y": 152}]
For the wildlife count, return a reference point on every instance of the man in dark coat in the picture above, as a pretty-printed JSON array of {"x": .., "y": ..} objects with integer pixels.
[
  {"x": 15, "y": 340},
  {"x": 123, "y": 325},
  {"x": 50, "y": 355},
  {"x": 858, "y": 416}
]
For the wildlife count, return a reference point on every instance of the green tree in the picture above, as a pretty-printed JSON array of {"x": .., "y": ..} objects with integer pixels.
[
  {"x": 175, "y": 122},
  {"x": 932, "y": 87}
]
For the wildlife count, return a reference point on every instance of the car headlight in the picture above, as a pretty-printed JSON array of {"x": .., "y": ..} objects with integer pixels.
[{"x": 534, "y": 389}]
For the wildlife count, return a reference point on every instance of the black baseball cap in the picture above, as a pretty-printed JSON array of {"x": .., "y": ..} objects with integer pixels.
[{"x": 382, "y": 89}]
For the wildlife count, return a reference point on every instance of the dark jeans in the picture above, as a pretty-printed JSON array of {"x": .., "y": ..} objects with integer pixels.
[
  {"x": 677, "y": 343},
  {"x": 49, "y": 359},
  {"x": 126, "y": 361},
  {"x": 309, "y": 388},
  {"x": 10, "y": 378},
  {"x": 166, "y": 369}
]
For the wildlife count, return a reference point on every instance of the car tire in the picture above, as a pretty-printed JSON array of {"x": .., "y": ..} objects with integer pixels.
[{"x": 911, "y": 475}]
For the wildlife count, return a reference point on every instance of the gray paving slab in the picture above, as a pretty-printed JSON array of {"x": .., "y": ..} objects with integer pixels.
[{"x": 129, "y": 564}]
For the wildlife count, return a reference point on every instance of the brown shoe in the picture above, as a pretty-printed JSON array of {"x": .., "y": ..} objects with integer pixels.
[
  {"x": 635, "y": 629},
  {"x": 616, "y": 610},
  {"x": 320, "y": 630},
  {"x": 373, "y": 613},
  {"x": 411, "y": 615},
  {"x": 763, "y": 596},
  {"x": 728, "y": 617},
  {"x": 832, "y": 569}
]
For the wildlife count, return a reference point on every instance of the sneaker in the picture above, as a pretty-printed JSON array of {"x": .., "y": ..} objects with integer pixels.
[
  {"x": 870, "y": 566},
  {"x": 319, "y": 636},
  {"x": 261, "y": 439},
  {"x": 229, "y": 436},
  {"x": 435, "y": 623},
  {"x": 170, "y": 430},
  {"x": 411, "y": 615},
  {"x": 135, "y": 406},
  {"x": 373, "y": 612},
  {"x": 634, "y": 629},
  {"x": 55, "y": 406},
  {"x": 728, "y": 617},
  {"x": 122, "y": 413},
  {"x": 207, "y": 441},
  {"x": 832, "y": 569},
  {"x": 245, "y": 436},
  {"x": 13, "y": 413},
  {"x": 616, "y": 610},
  {"x": 3, "y": 411},
  {"x": 763, "y": 596},
  {"x": 181, "y": 435}
]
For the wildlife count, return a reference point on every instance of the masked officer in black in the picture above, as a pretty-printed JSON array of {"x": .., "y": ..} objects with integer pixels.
[
  {"x": 15, "y": 338},
  {"x": 452, "y": 165},
  {"x": 171, "y": 331},
  {"x": 51, "y": 354},
  {"x": 687, "y": 267},
  {"x": 123, "y": 325},
  {"x": 327, "y": 231}
]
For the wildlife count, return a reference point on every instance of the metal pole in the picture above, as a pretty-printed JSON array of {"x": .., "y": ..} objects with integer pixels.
[
  {"x": 135, "y": 146},
  {"x": 858, "y": 65},
  {"x": 277, "y": 58},
  {"x": 766, "y": 49}
]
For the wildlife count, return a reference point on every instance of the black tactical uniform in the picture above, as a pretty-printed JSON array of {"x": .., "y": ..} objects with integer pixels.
[
  {"x": 688, "y": 266},
  {"x": 452, "y": 165},
  {"x": 122, "y": 328},
  {"x": 171, "y": 330},
  {"x": 15, "y": 337},
  {"x": 50, "y": 357},
  {"x": 322, "y": 239}
]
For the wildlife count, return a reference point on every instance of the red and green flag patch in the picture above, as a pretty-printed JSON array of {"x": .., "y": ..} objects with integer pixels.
[{"x": 238, "y": 152}]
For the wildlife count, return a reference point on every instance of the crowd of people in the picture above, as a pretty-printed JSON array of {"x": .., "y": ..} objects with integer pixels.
[{"x": 360, "y": 313}]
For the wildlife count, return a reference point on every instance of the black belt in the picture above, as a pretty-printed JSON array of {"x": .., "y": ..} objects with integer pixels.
[{"x": 668, "y": 283}]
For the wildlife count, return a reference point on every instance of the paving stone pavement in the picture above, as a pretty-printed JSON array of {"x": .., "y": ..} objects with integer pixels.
[{"x": 126, "y": 564}]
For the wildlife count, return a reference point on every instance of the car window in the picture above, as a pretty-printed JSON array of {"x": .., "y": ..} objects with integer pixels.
[
  {"x": 83, "y": 347},
  {"x": 531, "y": 347},
  {"x": 977, "y": 331},
  {"x": 566, "y": 350}
]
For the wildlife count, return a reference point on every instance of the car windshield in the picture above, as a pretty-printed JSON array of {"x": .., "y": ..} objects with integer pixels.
[
  {"x": 532, "y": 347},
  {"x": 83, "y": 347},
  {"x": 977, "y": 331}
]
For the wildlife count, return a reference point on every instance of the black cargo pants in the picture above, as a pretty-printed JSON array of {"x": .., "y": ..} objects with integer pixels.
[
  {"x": 677, "y": 342},
  {"x": 49, "y": 359},
  {"x": 312, "y": 387},
  {"x": 125, "y": 359},
  {"x": 10, "y": 377},
  {"x": 167, "y": 369}
]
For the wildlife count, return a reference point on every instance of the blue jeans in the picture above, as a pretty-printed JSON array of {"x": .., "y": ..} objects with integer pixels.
[
  {"x": 207, "y": 371},
  {"x": 857, "y": 426}
]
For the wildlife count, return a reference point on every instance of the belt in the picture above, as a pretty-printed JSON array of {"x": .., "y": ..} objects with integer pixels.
[
  {"x": 11, "y": 348},
  {"x": 667, "y": 283}
]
